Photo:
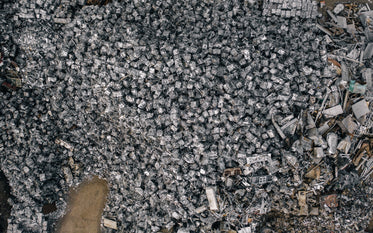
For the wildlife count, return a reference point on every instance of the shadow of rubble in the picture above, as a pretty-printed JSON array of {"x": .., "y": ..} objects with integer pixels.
[{"x": 4, "y": 205}]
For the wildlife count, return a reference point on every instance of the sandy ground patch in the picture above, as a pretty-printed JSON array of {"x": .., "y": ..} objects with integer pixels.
[{"x": 85, "y": 208}]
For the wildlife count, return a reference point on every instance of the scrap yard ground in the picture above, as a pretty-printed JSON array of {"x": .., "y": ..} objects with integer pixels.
[{"x": 186, "y": 116}]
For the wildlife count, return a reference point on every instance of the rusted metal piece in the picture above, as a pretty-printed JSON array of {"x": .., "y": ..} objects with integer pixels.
[
  {"x": 97, "y": 2},
  {"x": 365, "y": 149},
  {"x": 314, "y": 173},
  {"x": 232, "y": 171},
  {"x": 11, "y": 75},
  {"x": 9, "y": 86},
  {"x": 14, "y": 65},
  {"x": 302, "y": 202},
  {"x": 334, "y": 62},
  {"x": 329, "y": 200},
  {"x": 336, "y": 31},
  {"x": 302, "y": 198}
]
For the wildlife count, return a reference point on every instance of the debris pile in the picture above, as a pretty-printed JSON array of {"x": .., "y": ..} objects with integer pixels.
[
  {"x": 10, "y": 75},
  {"x": 202, "y": 115},
  {"x": 348, "y": 29},
  {"x": 290, "y": 8},
  {"x": 349, "y": 35}
]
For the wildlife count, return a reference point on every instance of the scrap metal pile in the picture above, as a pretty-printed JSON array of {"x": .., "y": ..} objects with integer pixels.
[
  {"x": 202, "y": 115},
  {"x": 290, "y": 8}
]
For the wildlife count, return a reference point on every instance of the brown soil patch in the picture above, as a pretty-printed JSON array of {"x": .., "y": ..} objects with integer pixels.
[{"x": 85, "y": 208}]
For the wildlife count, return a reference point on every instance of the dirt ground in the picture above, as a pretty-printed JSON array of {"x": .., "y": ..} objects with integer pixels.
[
  {"x": 4, "y": 205},
  {"x": 85, "y": 208}
]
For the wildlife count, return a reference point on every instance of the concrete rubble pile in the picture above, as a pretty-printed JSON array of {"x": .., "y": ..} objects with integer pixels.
[{"x": 202, "y": 115}]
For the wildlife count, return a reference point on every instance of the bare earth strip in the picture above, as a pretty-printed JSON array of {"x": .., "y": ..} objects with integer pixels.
[{"x": 85, "y": 208}]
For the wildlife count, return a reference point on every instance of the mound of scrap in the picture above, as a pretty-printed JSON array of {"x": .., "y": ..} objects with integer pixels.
[{"x": 202, "y": 116}]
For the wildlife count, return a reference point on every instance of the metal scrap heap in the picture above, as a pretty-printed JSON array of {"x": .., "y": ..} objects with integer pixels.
[{"x": 203, "y": 116}]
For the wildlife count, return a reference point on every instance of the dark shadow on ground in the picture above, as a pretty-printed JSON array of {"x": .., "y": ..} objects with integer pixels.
[{"x": 4, "y": 205}]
